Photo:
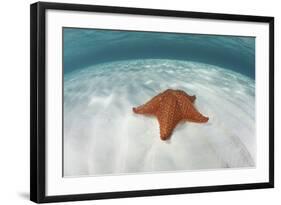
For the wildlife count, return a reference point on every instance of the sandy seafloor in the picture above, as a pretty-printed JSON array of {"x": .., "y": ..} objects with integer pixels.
[{"x": 103, "y": 136}]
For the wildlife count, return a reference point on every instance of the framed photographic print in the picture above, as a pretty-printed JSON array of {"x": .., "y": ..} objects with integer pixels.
[{"x": 129, "y": 102}]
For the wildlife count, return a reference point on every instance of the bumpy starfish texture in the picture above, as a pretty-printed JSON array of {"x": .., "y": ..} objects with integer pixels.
[{"x": 170, "y": 107}]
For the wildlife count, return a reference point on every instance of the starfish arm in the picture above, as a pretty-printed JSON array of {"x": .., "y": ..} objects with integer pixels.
[
  {"x": 194, "y": 116},
  {"x": 168, "y": 117},
  {"x": 198, "y": 118},
  {"x": 150, "y": 107},
  {"x": 182, "y": 94}
]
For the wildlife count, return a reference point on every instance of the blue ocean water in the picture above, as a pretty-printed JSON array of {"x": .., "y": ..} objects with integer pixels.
[{"x": 85, "y": 47}]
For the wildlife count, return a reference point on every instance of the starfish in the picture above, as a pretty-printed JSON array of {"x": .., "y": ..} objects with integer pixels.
[{"x": 171, "y": 107}]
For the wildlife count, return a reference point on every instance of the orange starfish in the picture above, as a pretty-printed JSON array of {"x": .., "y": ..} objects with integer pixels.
[{"x": 170, "y": 107}]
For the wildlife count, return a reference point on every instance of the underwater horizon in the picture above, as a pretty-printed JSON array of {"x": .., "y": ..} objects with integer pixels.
[
  {"x": 86, "y": 47},
  {"x": 107, "y": 73}
]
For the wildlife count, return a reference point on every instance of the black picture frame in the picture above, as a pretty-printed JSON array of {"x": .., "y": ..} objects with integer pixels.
[{"x": 38, "y": 101}]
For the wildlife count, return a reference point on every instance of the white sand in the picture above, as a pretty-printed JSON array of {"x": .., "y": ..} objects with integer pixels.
[{"x": 103, "y": 136}]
